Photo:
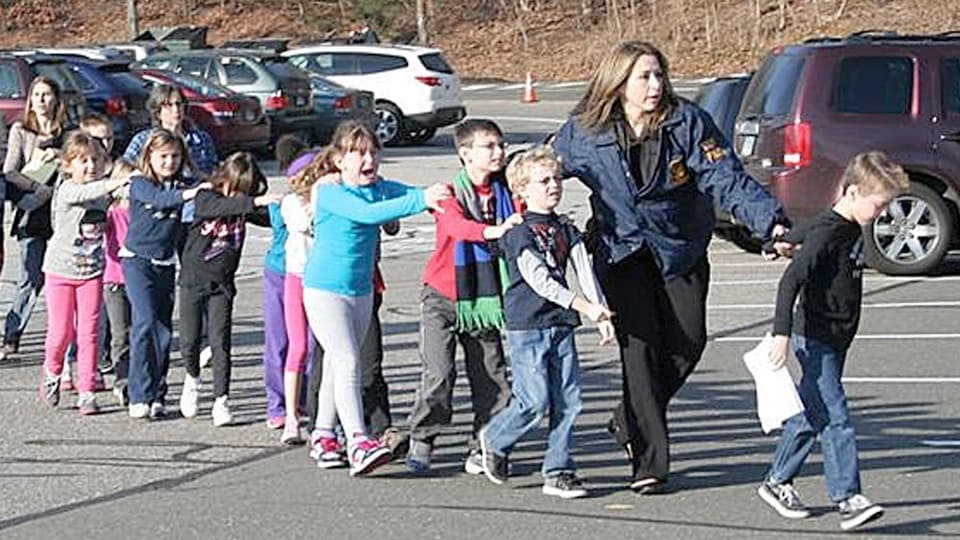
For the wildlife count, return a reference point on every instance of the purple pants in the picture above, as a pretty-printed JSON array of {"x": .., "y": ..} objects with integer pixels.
[{"x": 274, "y": 342}]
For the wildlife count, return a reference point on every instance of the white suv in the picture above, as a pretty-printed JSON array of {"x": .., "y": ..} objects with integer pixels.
[{"x": 415, "y": 89}]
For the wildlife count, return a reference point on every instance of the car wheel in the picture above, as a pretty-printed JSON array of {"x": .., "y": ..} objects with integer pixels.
[
  {"x": 421, "y": 135},
  {"x": 740, "y": 237},
  {"x": 389, "y": 127},
  {"x": 913, "y": 233}
]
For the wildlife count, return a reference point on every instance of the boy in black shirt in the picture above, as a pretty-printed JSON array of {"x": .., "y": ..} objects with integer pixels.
[
  {"x": 541, "y": 313},
  {"x": 827, "y": 274}
]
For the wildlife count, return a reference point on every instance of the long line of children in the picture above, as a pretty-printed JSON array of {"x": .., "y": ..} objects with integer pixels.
[{"x": 321, "y": 282}]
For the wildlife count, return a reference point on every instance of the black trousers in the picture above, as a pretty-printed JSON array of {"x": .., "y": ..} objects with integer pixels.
[
  {"x": 215, "y": 300},
  {"x": 374, "y": 392},
  {"x": 661, "y": 327}
]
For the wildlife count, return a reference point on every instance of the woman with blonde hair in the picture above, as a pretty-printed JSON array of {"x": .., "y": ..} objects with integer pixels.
[{"x": 656, "y": 166}]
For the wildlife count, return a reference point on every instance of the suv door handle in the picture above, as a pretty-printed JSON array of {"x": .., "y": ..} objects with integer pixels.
[{"x": 953, "y": 137}]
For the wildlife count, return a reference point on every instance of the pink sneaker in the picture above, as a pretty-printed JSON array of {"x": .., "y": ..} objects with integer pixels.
[
  {"x": 366, "y": 455},
  {"x": 327, "y": 451},
  {"x": 276, "y": 422}
]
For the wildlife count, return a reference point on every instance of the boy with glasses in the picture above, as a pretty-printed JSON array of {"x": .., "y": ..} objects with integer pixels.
[{"x": 462, "y": 296}]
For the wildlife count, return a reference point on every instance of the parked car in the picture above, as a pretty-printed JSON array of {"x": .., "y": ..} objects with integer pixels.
[
  {"x": 136, "y": 50},
  {"x": 283, "y": 91},
  {"x": 335, "y": 103},
  {"x": 91, "y": 53},
  {"x": 812, "y": 106},
  {"x": 111, "y": 90},
  {"x": 18, "y": 68},
  {"x": 235, "y": 121},
  {"x": 721, "y": 98},
  {"x": 415, "y": 88}
]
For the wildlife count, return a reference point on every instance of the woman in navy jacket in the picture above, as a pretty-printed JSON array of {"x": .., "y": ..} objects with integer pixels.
[{"x": 656, "y": 166}]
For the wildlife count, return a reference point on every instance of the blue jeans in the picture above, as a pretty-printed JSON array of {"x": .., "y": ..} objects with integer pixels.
[
  {"x": 150, "y": 289},
  {"x": 546, "y": 379},
  {"x": 825, "y": 415},
  {"x": 29, "y": 284}
]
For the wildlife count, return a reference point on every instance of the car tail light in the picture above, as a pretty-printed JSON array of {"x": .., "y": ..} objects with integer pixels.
[
  {"x": 115, "y": 106},
  {"x": 223, "y": 109},
  {"x": 797, "y": 144},
  {"x": 345, "y": 102},
  {"x": 277, "y": 101},
  {"x": 430, "y": 81}
]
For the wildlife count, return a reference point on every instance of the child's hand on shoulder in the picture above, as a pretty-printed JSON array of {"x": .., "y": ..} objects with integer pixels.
[
  {"x": 266, "y": 199},
  {"x": 436, "y": 193},
  {"x": 779, "y": 350},
  {"x": 190, "y": 193},
  {"x": 330, "y": 178}
]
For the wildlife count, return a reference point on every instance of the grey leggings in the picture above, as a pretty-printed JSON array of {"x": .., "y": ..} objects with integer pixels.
[{"x": 339, "y": 322}]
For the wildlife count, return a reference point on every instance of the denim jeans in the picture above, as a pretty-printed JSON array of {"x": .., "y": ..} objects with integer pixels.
[
  {"x": 29, "y": 284},
  {"x": 150, "y": 289},
  {"x": 546, "y": 379},
  {"x": 825, "y": 415}
]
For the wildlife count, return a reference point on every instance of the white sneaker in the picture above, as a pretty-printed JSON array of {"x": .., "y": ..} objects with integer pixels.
[
  {"x": 221, "y": 412},
  {"x": 190, "y": 396},
  {"x": 205, "y": 356},
  {"x": 158, "y": 410},
  {"x": 139, "y": 410}
]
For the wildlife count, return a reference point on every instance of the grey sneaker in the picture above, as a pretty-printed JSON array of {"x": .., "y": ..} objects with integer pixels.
[
  {"x": 495, "y": 466},
  {"x": 87, "y": 403},
  {"x": 474, "y": 462},
  {"x": 858, "y": 510},
  {"x": 783, "y": 498},
  {"x": 565, "y": 485},
  {"x": 50, "y": 389},
  {"x": 418, "y": 459}
]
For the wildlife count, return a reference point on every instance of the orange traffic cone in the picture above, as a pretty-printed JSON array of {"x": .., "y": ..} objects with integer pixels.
[{"x": 529, "y": 94}]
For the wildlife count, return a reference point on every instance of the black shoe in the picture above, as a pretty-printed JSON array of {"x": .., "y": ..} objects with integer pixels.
[
  {"x": 858, "y": 510},
  {"x": 495, "y": 467},
  {"x": 11, "y": 347},
  {"x": 783, "y": 498},
  {"x": 648, "y": 485}
]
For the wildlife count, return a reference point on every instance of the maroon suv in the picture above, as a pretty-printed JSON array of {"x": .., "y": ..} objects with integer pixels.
[{"x": 813, "y": 106}]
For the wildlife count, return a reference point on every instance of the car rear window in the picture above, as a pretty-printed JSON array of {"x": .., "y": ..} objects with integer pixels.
[
  {"x": 949, "y": 84},
  {"x": 874, "y": 85},
  {"x": 60, "y": 75},
  {"x": 284, "y": 71},
  {"x": 376, "y": 63},
  {"x": 435, "y": 62},
  {"x": 128, "y": 83},
  {"x": 773, "y": 87},
  {"x": 9, "y": 81}
]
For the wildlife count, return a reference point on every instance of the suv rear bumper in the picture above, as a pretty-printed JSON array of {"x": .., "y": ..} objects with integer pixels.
[{"x": 439, "y": 117}]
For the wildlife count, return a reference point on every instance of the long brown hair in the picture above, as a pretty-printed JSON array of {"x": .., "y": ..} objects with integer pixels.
[
  {"x": 30, "y": 121},
  {"x": 596, "y": 108},
  {"x": 240, "y": 172},
  {"x": 158, "y": 139},
  {"x": 350, "y": 135}
]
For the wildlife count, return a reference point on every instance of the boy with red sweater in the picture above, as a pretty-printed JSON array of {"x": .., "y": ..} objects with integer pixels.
[{"x": 462, "y": 296}]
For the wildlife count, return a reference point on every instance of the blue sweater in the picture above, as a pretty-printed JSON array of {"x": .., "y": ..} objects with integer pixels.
[
  {"x": 346, "y": 222},
  {"x": 275, "y": 259},
  {"x": 154, "y": 219}
]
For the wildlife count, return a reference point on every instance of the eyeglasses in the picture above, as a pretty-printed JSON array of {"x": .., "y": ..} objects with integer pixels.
[
  {"x": 490, "y": 147},
  {"x": 175, "y": 104}
]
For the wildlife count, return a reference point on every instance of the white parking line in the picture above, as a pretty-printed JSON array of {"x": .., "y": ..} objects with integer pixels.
[
  {"x": 866, "y": 305},
  {"x": 859, "y": 337},
  {"x": 866, "y": 279},
  {"x": 471, "y": 87},
  {"x": 528, "y": 119},
  {"x": 514, "y": 86},
  {"x": 568, "y": 84},
  {"x": 941, "y": 444},
  {"x": 897, "y": 380}
]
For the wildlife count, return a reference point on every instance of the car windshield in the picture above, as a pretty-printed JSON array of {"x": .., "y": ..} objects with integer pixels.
[{"x": 9, "y": 81}]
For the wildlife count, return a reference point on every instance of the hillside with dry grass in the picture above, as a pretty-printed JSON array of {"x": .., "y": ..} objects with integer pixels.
[{"x": 501, "y": 39}]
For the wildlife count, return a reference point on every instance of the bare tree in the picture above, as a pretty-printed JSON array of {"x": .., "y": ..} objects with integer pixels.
[
  {"x": 132, "y": 21},
  {"x": 422, "y": 37}
]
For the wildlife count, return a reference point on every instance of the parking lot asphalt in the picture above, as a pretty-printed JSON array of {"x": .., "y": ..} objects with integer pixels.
[{"x": 113, "y": 477}]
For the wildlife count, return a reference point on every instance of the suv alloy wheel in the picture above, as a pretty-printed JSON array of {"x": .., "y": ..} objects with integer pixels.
[
  {"x": 391, "y": 120},
  {"x": 912, "y": 235}
]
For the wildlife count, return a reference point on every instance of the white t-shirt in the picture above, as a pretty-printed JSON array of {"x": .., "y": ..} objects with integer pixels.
[{"x": 298, "y": 217}]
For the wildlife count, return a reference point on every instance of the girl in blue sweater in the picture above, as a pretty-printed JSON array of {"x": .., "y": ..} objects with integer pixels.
[
  {"x": 149, "y": 258},
  {"x": 338, "y": 277}
]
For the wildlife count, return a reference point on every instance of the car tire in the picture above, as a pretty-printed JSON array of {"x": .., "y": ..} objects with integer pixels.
[
  {"x": 390, "y": 126},
  {"x": 740, "y": 237},
  {"x": 421, "y": 135},
  {"x": 912, "y": 235}
]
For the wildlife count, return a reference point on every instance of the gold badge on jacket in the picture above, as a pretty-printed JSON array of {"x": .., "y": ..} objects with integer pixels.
[
  {"x": 712, "y": 151},
  {"x": 679, "y": 173}
]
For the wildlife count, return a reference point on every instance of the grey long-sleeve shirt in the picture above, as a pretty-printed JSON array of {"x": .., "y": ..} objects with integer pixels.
[{"x": 79, "y": 214}]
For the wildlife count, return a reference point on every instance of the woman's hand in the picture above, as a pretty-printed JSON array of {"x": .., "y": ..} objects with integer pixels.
[
  {"x": 779, "y": 351},
  {"x": 436, "y": 193},
  {"x": 189, "y": 194},
  {"x": 49, "y": 154},
  {"x": 608, "y": 334}
]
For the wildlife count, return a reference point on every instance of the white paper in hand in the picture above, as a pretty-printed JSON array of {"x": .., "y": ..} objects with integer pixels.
[{"x": 777, "y": 398}]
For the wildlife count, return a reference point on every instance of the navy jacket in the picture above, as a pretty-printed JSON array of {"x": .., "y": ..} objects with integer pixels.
[
  {"x": 154, "y": 230},
  {"x": 673, "y": 213}
]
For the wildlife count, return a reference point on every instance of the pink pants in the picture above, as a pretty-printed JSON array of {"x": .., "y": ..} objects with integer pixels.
[
  {"x": 295, "y": 319},
  {"x": 73, "y": 311}
]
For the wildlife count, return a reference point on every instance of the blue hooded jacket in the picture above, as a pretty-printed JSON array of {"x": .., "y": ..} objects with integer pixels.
[{"x": 673, "y": 212}]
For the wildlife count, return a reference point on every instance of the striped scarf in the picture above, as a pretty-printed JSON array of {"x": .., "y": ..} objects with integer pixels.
[{"x": 481, "y": 274}]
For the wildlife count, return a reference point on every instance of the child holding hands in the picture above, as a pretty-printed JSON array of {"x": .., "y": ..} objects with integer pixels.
[{"x": 541, "y": 313}]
